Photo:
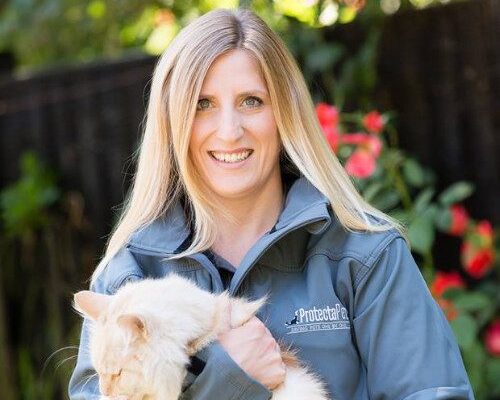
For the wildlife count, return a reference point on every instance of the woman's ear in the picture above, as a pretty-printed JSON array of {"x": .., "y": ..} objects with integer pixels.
[{"x": 91, "y": 304}]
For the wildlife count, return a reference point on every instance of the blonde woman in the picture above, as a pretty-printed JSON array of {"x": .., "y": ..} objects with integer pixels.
[{"x": 237, "y": 190}]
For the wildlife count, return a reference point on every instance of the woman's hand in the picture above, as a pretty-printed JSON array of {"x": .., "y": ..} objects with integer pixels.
[{"x": 254, "y": 349}]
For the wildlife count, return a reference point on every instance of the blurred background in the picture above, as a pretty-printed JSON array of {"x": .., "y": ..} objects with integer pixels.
[{"x": 408, "y": 95}]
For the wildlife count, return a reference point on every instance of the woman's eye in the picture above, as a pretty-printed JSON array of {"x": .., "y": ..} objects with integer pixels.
[
  {"x": 253, "y": 101},
  {"x": 203, "y": 104}
]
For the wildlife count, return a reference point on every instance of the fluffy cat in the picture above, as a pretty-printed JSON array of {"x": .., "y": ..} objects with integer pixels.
[{"x": 142, "y": 337}]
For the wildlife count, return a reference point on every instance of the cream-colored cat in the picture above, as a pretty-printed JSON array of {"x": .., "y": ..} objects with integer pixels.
[{"x": 143, "y": 335}]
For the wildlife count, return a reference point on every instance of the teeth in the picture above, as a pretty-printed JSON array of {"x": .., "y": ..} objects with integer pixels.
[{"x": 231, "y": 158}]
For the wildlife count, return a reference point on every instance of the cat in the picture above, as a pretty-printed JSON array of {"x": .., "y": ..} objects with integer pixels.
[{"x": 142, "y": 337}]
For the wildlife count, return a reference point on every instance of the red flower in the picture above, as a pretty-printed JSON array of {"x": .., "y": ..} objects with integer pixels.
[
  {"x": 459, "y": 220},
  {"x": 369, "y": 142},
  {"x": 485, "y": 231},
  {"x": 354, "y": 138},
  {"x": 374, "y": 144},
  {"x": 476, "y": 261},
  {"x": 357, "y": 4},
  {"x": 361, "y": 163},
  {"x": 332, "y": 136},
  {"x": 327, "y": 115},
  {"x": 373, "y": 122},
  {"x": 477, "y": 252},
  {"x": 444, "y": 281},
  {"x": 492, "y": 338}
]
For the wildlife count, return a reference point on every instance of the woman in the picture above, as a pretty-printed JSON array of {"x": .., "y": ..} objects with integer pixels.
[{"x": 237, "y": 189}]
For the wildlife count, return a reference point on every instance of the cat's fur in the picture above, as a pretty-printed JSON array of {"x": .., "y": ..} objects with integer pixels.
[{"x": 143, "y": 335}]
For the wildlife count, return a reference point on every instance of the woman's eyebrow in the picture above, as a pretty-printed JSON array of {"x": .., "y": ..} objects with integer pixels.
[
  {"x": 242, "y": 94},
  {"x": 253, "y": 92}
]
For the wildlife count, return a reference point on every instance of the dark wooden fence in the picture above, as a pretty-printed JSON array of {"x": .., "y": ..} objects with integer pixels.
[
  {"x": 440, "y": 69},
  {"x": 83, "y": 121}
]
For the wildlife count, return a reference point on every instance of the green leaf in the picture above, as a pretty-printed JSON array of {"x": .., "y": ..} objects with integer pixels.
[
  {"x": 475, "y": 363},
  {"x": 421, "y": 231},
  {"x": 323, "y": 57},
  {"x": 392, "y": 158},
  {"x": 297, "y": 9},
  {"x": 490, "y": 289},
  {"x": 423, "y": 199},
  {"x": 430, "y": 176},
  {"x": 453, "y": 293},
  {"x": 372, "y": 190},
  {"x": 23, "y": 204},
  {"x": 96, "y": 9},
  {"x": 455, "y": 193},
  {"x": 443, "y": 219},
  {"x": 347, "y": 14},
  {"x": 484, "y": 315},
  {"x": 386, "y": 200},
  {"x": 413, "y": 173},
  {"x": 401, "y": 216},
  {"x": 465, "y": 330},
  {"x": 472, "y": 302},
  {"x": 492, "y": 376},
  {"x": 345, "y": 152}
]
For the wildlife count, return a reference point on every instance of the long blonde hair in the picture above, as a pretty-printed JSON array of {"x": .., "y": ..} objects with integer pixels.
[{"x": 165, "y": 171}]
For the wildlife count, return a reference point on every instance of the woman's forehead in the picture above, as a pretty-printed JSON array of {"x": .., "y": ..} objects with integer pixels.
[{"x": 236, "y": 69}]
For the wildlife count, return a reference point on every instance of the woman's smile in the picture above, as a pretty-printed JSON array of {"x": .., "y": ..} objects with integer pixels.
[{"x": 233, "y": 159}]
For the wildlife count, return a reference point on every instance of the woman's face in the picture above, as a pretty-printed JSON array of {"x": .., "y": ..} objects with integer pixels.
[{"x": 234, "y": 141}]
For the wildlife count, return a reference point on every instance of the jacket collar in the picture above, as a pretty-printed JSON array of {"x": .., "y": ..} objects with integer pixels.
[{"x": 304, "y": 205}]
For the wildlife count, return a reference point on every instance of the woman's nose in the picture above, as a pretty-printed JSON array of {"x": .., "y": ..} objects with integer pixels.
[{"x": 230, "y": 128}]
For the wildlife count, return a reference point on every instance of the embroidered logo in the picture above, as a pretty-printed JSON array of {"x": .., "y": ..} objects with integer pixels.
[{"x": 318, "y": 319}]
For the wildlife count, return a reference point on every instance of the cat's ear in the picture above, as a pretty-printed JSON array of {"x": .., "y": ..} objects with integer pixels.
[
  {"x": 90, "y": 304},
  {"x": 243, "y": 310},
  {"x": 134, "y": 324}
]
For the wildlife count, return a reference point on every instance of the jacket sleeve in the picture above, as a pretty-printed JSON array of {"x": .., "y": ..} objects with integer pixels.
[
  {"x": 220, "y": 379},
  {"x": 404, "y": 340},
  {"x": 84, "y": 383}
]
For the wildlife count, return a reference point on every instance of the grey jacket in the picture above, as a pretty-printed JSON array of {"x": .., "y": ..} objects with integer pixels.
[{"x": 354, "y": 305}]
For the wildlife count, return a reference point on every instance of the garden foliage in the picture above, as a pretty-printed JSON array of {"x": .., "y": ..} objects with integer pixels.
[{"x": 395, "y": 182}]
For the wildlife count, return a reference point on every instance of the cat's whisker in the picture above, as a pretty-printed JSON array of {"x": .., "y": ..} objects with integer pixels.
[
  {"x": 46, "y": 363},
  {"x": 88, "y": 379},
  {"x": 64, "y": 360}
]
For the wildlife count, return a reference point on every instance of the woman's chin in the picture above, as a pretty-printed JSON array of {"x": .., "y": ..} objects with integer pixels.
[{"x": 232, "y": 189}]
